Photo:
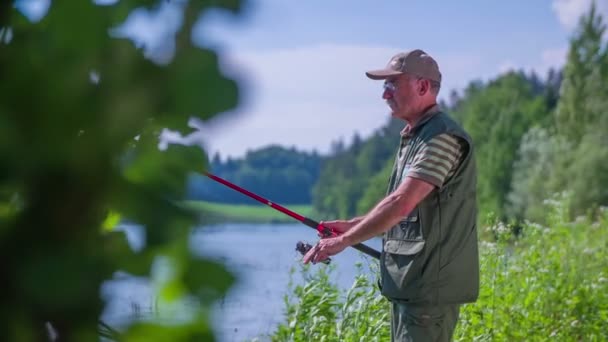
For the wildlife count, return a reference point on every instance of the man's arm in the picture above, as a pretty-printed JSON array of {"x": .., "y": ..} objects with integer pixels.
[
  {"x": 381, "y": 218},
  {"x": 389, "y": 211}
]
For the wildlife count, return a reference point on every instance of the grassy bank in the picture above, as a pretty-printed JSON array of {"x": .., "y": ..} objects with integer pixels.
[
  {"x": 548, "y": 283},
  {"x": 246, "y": 212}
]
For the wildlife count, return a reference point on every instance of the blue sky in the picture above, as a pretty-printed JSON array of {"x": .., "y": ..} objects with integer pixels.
[{"x": 301, "y": 64}]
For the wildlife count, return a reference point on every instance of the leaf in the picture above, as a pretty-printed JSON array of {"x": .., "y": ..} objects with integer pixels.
[
  {"x": 207, "y": 279},
  {"x": 111, "y": 221},
  {"x": 163, "y": 172},
  {"x": 148, "y": 332},
  {"x": 196, "y": 82}
]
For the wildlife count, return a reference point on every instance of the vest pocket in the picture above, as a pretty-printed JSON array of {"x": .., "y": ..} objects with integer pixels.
[
  {"x": 400, "y": 268},
  {"x": 403, "y": 247},
  {"x": 408, "y": 228},
  {"x": 400, "y": 263}
]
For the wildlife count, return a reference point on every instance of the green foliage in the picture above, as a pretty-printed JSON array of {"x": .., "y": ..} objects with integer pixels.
[
  {"x": 538, "y": 157},
  {"x": 583, "y": 101},
  {"x": 549, "y": 282},
  {"x": 348, "y": 183},
  {"x": 80, "y": 114},
  {"x": 319, "y": 311},
  {"x": 581, "y": 116},
  {"x": 376, "y": 189},
  {"x": 588, "y": 173},
  {"x": 497, "y": 116},
  {"x": 571, "y": 155},
  {"x": 546, "y": 282}
]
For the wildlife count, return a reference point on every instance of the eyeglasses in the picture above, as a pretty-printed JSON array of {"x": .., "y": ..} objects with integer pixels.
[{"x": 389, "y": 86}]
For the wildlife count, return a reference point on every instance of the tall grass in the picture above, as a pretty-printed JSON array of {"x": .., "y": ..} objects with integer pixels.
[{"x": 547, "y": 283}]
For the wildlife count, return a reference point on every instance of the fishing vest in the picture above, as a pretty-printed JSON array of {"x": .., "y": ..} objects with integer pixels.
[{"x": 430, "y": 257}]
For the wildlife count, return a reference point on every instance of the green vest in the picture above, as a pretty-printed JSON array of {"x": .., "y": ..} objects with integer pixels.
[{"x": 431, "y": 257}]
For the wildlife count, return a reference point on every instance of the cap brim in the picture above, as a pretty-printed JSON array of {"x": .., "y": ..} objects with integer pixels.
[{"x": 382, "y": 74}]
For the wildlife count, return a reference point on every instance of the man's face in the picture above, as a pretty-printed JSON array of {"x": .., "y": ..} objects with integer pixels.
[{"x": 400, "y": 93}]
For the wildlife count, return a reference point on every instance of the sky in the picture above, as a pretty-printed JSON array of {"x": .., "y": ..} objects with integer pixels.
[{"x": 301, "y": 64}]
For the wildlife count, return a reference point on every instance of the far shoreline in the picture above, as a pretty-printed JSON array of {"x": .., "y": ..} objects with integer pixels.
[{"x": 245, "y": 213}]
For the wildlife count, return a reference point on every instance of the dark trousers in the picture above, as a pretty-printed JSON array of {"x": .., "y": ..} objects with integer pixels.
[{"x": 423, "y": 323}]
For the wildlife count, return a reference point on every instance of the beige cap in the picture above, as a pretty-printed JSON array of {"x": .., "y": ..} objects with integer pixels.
[{"x": 415, "y": 62}]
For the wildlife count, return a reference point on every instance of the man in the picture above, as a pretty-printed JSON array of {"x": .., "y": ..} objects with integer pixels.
[{"x": 429, "y": 264}]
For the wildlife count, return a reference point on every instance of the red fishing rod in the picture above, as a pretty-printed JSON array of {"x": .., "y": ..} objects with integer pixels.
[{"x": 323, "y": 231}]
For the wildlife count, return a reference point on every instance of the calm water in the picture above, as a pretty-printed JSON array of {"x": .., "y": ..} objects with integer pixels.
[{"x": 260, "y": 255}]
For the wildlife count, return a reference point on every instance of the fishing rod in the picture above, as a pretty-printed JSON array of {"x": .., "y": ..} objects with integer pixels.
[{"x": 323, "y": 231}]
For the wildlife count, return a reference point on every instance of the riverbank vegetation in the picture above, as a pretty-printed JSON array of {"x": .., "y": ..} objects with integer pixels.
[{"x": 547, "y": 282}]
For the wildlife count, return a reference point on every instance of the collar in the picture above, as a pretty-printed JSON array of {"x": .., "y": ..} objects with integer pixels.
[{"x": 428, "y": 113}]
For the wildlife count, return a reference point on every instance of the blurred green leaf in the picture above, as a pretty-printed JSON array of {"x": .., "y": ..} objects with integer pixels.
[
  {"x": 207, "y": 279},
  {"x": 72, "y": 102},
  {"x": 215, "y": 93},
  {"x": 111, "y": 221},
  {"x": 172, "y": 290},
  {"x": 164, "y": 172},
  {"x": 146, "y": 332}
]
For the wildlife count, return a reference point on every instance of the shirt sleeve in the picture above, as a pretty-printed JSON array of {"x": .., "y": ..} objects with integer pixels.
[{"x": 437, "y": 159}]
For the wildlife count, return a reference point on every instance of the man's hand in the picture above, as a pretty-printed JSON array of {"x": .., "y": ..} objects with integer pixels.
[
  {"x": 340, "y": 226},
  {"x": 324, "y": 249}
]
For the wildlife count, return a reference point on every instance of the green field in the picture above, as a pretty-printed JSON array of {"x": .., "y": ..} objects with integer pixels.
[{"x": 246, "y": 212}]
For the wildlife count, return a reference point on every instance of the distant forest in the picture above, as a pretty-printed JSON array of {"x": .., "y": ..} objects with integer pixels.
[
  {"x": 536, "y": 137},
  {"x": 283, "y": 175}
]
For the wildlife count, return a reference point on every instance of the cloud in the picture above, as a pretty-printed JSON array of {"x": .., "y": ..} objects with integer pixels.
[
  {"x": 305, "y": 97},
  {"x": 311, "y": 96},
  {"x": 569, "y": 11}
]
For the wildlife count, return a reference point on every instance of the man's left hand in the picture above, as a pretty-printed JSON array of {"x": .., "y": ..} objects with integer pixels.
[{"x": 324, "y": 249}]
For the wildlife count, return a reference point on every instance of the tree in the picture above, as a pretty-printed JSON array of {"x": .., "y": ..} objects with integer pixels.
[
  {"x": 570, "y": 155},
  {"x": 537, "y": 159},
  {"x": 583, "y": 99},
  {"x": 80, "y": 117},
  {"x": 582, "y": 116},
  {"x": 346, "y": 176},
  {"x": 376, "y": 189},
  {"x": 496, "y": 116},
  {"x": 280, "y": 174}
]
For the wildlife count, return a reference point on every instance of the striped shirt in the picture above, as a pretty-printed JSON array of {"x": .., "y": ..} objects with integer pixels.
[{"x": 437, "y": 160}]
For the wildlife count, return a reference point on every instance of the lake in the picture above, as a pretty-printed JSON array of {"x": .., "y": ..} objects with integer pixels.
[{"x": 260, "y": 255}]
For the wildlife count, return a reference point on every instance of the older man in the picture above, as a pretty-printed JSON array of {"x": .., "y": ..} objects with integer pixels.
[{"x": 429, "y": 264}]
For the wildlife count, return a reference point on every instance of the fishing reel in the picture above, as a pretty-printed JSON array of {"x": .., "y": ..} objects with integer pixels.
[{"x": 304, "y": 247}]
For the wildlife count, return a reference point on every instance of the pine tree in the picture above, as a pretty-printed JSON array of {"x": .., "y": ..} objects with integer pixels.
[
  {"x": 573, "y": 158},
  {"x": 582, "y": 97}
]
